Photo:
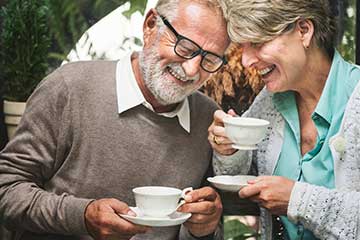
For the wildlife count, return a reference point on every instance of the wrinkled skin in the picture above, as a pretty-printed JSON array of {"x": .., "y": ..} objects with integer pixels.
[{"x": 206, "y": 208}]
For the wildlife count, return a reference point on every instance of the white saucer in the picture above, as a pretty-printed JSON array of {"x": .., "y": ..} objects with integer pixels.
[
  {"x": 173, "y": 219},
  {"x": 230, "y": 183},
  {"x": 245, "y": 147}
]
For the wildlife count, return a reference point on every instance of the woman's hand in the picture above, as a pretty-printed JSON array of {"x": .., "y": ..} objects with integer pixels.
[
  {"x": 270, "y": 192},
  {"x": 217, "y": 138}
]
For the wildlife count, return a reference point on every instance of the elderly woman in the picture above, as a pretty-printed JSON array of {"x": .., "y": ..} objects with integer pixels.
[{"x": 309, "y": 162}]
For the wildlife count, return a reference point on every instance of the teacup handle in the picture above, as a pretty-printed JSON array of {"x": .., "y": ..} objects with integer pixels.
[{"x": 183, "y": 193}]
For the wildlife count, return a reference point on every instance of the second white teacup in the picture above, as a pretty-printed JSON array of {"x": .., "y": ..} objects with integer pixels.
[
  {"x": 245, "y": 133},
  {"x": 158, "y": 201}
]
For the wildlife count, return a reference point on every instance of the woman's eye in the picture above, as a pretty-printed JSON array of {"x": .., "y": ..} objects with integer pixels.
[{"x": 256, "y": 45}]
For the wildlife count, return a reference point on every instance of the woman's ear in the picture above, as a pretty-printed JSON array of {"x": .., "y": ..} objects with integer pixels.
[
  {"x": 306, "y": 30},
  {"x": 150, "y": 27}
]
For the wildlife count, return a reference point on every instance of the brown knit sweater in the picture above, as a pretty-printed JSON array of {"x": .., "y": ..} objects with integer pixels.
[{"x": 72, "y": 146}]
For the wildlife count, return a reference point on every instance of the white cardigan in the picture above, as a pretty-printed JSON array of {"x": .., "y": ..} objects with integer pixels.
[{"x": 328, "y": 213}]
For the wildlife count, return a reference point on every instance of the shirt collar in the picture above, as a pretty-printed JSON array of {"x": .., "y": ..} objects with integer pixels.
[
  {"x": 340, "y": 84},
  {"x": 323, "y": 108},
  {"x": 129, "y": 94}
]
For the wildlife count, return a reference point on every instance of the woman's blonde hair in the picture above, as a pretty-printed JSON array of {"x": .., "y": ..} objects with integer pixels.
[{"x": 258, "y": 21}]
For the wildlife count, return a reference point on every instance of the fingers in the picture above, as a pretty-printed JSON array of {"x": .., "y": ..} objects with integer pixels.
[
  {"x": 219, "y": 115},
  {"x": 103, "y": 222},
  {"x": 203, "y": 207},
  {"x": 219, "y": 132},
  {"x": 232, "y": 112},
  {"x": 270, "y": 192},
  {"x": 203, "y": 201},
  {"x": 206, "y": 208},
  {"x": 250, "y": 190},
  {"x": 121, "y": 226},
  {"x": 217, "y": 124},
  {"x": 223, "y": 149},
  {"x": 255, "y": 186},
  {"x": 217, "y": 136},
  {"x": 261, "y": 179},
  {"x": 121, "y": 207},
  {"x": 205, "y": 193}
]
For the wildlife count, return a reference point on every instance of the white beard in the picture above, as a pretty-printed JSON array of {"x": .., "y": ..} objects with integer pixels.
[{"x": 156, "y": 78}]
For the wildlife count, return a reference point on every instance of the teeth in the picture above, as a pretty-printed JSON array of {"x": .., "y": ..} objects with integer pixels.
[
  {"x": 266, "y": 70},
  {"x": 177, "y": 75}
]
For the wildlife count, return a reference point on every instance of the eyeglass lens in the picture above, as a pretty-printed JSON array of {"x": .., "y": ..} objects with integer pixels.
[{"x": 188, "y": 49}]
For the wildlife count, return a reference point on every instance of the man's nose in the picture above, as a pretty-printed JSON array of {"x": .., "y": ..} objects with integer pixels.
[
  {"x": 249, "y": 56},
  {"x": 192, "y": 66}
]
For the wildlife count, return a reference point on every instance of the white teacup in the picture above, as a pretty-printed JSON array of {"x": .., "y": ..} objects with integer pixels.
[
  {"x": 157, "y": 201},
  {"x": 245, "y": 133}
]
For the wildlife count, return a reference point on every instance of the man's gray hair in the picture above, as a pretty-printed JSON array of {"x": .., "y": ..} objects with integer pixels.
[
  {"x": 168, "y": 8},
  {"x": 258, "y": 21}
]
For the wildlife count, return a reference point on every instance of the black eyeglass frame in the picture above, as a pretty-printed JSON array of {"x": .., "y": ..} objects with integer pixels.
[{"x": 200, "y": 51}]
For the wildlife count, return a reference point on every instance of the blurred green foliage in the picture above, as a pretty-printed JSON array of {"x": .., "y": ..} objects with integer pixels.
[
  {"x": 25, "y": 43},
  {"x": 347, "y": 44},
  {"x": 37, "y": 35},
  {"x": 69, "y": 19},
  {"x": 59, "y": 24},
  {"x": 236, "y": 230}
]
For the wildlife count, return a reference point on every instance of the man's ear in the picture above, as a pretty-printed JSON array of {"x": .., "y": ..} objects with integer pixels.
[
  {"x": 150, "y": 27},
  {"x": 305, "y": 29}
]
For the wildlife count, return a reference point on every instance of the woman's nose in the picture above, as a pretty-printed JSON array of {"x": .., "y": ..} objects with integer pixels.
[{"x": 249, "y": 56}]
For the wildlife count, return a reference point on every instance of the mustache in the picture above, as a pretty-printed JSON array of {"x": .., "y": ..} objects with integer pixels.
[{"x": 177, "y": 68}]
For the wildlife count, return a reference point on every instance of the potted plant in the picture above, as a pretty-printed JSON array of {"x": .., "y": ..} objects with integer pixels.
[{"x": 25, "y": 43}]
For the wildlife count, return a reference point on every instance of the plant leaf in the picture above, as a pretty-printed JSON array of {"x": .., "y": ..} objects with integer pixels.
[
  {"x": 135, "y": 5},
  {"x": 234, "y": 229}
]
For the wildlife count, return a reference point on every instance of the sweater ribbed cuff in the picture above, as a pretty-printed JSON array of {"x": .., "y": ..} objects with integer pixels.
[
  {"x": 75, "y": 219},
  {"x": 207, "y": 237},
  {"x": 298, "y": 201},
  {"x": 217, "y": 235}
]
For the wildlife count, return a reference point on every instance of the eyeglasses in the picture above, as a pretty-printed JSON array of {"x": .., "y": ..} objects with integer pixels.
[{"x": 188, "y": 49}]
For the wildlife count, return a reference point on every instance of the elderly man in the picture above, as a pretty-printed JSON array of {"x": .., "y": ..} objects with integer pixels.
[{"x": 92, "y": 131}]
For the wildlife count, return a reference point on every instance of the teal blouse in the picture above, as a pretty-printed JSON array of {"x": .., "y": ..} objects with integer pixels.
[{"x": 316, "y": 166}]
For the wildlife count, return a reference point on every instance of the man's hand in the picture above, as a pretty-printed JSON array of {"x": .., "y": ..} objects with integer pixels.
[
  {"x": 206, "y": 208},
  {"x": 270, "y": 192},
  {"x": 103, "y": 222}
]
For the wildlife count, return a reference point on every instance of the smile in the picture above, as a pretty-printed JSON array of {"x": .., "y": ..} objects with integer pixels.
[
  {"x": 266, "y": 71},
  {"x": 176, "y": 75}
]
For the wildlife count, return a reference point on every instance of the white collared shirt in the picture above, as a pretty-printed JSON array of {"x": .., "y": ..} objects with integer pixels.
[{"x": 129, "y": 94}]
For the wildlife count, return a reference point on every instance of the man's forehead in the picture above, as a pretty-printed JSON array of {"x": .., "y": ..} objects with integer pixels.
[
  {"x": 193, "y": 8},
  {"x": 201, "y": 24},
  {"x": 194, "y": 14}
]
